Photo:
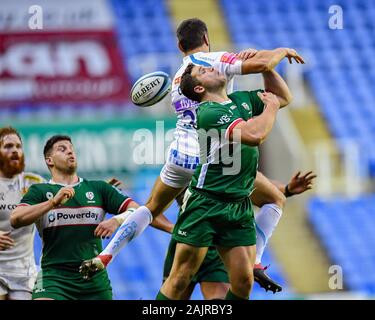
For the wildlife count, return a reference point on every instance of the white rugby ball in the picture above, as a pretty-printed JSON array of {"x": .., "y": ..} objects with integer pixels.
[{"x": 150, "y": 88}]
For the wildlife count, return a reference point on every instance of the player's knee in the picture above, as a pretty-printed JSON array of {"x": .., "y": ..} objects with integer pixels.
[
  {"x": 180, "y": 282},
  {"x": 243, "y": 285},
  {"x": 244, "y": 280}
]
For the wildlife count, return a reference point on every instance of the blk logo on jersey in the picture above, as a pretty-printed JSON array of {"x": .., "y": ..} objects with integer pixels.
[{"x": 182, "y": 233}]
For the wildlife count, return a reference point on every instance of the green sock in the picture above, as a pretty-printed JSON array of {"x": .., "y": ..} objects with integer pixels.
[
  {"x": 161, "y": 296},
  {"x": 231, "y": 296}
]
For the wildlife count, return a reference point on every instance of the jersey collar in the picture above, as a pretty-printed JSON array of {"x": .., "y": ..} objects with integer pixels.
[
  {"x": 65, "y": 185},
  {"x": 226, "y": 102},
  {"x": 186, "y": 58},
  {"x": 222, "y": 103}
]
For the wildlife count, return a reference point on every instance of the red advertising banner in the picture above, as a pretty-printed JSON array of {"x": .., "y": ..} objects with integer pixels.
[{"x": 70, "y": 66}]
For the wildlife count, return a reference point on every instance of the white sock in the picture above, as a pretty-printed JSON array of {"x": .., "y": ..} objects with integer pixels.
[
  {"x": 266, "y": 221},
  {"x": 131, "y": 228}
]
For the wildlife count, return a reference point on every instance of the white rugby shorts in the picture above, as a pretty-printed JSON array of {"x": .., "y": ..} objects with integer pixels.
[
  {"x": 178, "y": 169},
  {"x": 17, "y": 278}
]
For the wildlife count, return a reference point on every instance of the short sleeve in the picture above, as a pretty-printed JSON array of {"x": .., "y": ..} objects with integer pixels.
[
  {"x": 33, "y": 196},
  {"x": 228, "y": 64},
  {"x": 114, "y": 200},
  {"x": 220, "y": 118}
]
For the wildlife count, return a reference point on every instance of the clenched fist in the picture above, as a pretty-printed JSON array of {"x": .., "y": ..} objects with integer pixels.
[
  {"x": 63, "y": 196},
  {"x": 269, "y": 99}
]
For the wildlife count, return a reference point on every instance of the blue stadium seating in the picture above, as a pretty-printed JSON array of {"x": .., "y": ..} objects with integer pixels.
[
  {"x": 144, "y": 28},
  {"x": 342, "y": 75},
  {"x": 346, "y": 229}
]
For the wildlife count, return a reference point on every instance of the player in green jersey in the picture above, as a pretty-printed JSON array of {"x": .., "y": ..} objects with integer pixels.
[
  {"x": 193, "y": 41},
  {"x": 212, "y": 276},
  {"x": 69, "y": 212},
  {"x": 216, "y": 209}
]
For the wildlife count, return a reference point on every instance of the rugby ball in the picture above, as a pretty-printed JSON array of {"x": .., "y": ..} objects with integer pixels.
[{"x": 150, "y": 88}]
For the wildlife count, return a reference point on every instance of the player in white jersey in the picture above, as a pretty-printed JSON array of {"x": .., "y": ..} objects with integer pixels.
[
  {"x": 183, "y": 155},
  {"x": 17, "y": 263}
]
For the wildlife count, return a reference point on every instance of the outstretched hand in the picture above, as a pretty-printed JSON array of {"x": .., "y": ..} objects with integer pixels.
[
  {"x": 299, "y": 184},
  {"x": 293, "y": 55},
  {"x": 106, "y": 228}
]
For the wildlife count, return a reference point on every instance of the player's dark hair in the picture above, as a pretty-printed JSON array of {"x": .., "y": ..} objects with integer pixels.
[
  {"x": 188, "y": 83},
  {"x": 190, "y": 34},
  {"x": 51, "y": 141},
  {"x": 6, "y": 131}
]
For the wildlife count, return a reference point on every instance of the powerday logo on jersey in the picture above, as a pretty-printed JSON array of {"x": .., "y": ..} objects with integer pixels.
[
  {"x": 74, "y": 216},
  {"x": 51, "y": 217}
]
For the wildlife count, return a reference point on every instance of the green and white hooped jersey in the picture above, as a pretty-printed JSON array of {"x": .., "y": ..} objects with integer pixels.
[
  {"x": 68, "y": 231},
  {"x": 227, "y": 170},
  {"x": 185, "y": 136}
]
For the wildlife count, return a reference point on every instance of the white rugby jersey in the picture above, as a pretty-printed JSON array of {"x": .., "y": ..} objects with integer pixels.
[
  {"x": 11, "y": 192},
  {"x": 185, "y": 135}
]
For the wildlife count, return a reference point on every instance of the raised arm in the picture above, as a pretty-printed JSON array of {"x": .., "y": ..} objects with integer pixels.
[
  {"x": 28, "y": 214},
  {"x": 274, "y": 83},
  {"x": 266, "y": 60},
  {"x": 254, "y": 131}
]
